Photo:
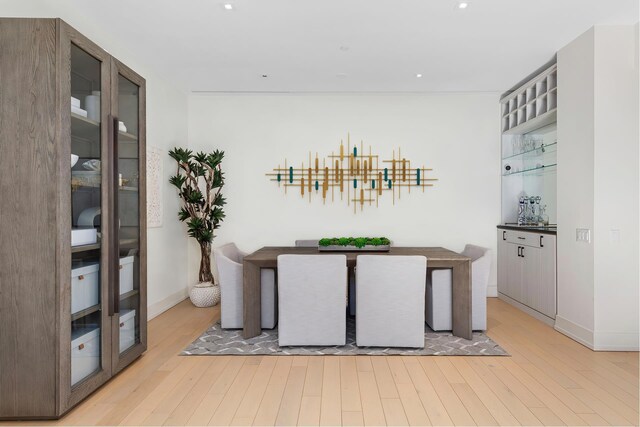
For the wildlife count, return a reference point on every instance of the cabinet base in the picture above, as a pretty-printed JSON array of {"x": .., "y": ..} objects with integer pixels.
[{"x": 531, "y": 312}]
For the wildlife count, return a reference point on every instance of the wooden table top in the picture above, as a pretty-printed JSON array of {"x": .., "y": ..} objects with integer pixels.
[{"x": 270, "y": 253}]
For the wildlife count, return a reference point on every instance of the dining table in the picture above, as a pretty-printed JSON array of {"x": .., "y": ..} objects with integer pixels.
[{"x": 267, "y": 257}]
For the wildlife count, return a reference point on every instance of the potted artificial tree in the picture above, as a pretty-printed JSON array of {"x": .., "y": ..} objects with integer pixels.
[{"x": 199, "y": 180}]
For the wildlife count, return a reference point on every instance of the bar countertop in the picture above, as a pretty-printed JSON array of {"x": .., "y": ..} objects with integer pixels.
[{"x": 548, "y": 229}]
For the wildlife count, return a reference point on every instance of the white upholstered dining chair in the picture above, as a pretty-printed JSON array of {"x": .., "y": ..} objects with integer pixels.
[
  {"x": 390, "y": 300},
  {"x": 312, "y": 291},
  {"x": 230, "y": 273},
  {"x": 352, "y": 277},
  {"x": 438, "y": 307}
]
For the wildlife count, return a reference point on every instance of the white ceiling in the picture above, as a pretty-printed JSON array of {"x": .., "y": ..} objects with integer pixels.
[{"x": 297, "y": 43}]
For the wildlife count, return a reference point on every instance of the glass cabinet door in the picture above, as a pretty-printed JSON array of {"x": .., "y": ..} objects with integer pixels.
[
  {"x": 89, "y": 322},
  {"x": 128, "y": 125}
]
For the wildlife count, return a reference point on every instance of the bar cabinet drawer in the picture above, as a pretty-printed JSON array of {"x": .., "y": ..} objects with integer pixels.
[{"x": 523, "y": 238}]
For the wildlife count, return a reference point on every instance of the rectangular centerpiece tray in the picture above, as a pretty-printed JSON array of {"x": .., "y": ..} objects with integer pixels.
[{"x": 351, "y": 248}]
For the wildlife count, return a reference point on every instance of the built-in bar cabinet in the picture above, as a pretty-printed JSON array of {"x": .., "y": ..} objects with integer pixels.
[
  {"x": 72, "y": 217},
  {"x": 527, "y": 233}
]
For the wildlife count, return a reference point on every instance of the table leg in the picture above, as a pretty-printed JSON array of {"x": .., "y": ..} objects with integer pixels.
[
  {"x": 461, "y": 299},
  {"x": 251, "y": 297}
]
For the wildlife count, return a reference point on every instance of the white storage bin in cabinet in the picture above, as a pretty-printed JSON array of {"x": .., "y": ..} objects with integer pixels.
[
  {"x": 83, "y": 236},
  {"x": 126, "y": 274},
  {"x": 127, "y": 329},
  {"x": 85, "y": 353},
  {"x": 85, "y": 289}
]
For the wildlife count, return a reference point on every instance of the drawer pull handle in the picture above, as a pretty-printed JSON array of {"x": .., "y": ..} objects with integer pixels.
[
  {"x": 121, "y": 324},
  {"x": 521, "y": 238},
  {"x": 81, "y": 277},
  {"x": 81, "y": 346}
]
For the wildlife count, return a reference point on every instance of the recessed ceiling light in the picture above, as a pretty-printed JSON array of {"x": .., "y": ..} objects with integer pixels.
[
  {"x": 418, "y": 75},
  {"x": 228, "y": 6},
  {"x": 463, "y": 5}
]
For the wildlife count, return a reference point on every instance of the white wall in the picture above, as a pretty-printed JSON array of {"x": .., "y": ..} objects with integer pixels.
[
  {"x": 616, "y": 188},
  {"x": 598, "y": 138},
  {"x": 167, "y": 111},
  {"x": 456, "y": 134}
]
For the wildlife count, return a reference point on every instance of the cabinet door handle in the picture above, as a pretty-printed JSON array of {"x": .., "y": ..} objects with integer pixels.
[
  {"x": 116, "y": 219},
  {"x": 519, "y": 247},
  {"x": 522, "y": 251},
  {"x": 541, "y": 244},
  {"x": 504, "y": 235},
  {"x": 114, "y": 251}
]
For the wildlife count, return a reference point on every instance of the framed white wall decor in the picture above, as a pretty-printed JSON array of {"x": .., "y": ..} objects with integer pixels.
[{"x": 154, "y": 186}]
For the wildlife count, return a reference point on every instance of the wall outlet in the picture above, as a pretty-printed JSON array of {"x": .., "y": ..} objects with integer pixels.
[
  {"x": 583, "y": 235},
  {"x": 614, "y": 235}
]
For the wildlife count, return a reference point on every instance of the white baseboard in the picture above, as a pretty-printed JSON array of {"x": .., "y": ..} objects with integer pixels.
[
  {"x": 574, "y": 331},
  {"x": 616, "y": 341},
  {"x": 531, "y": 312},
  {"x": 492, "y": 291},
  {"x": 160, "y": 307}
]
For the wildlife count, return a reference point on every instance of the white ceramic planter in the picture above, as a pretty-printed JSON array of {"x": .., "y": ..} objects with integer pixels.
[{"x": 205, "y": 295}]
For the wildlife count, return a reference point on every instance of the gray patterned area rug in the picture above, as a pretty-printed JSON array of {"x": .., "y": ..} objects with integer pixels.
[{"x": 217, "y": 341}]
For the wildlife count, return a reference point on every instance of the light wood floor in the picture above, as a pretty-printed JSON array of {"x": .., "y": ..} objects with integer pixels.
[{"x": 549, "y": 379}]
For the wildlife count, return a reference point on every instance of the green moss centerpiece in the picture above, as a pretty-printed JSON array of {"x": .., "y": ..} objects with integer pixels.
[{"x": 357, "y": 244}]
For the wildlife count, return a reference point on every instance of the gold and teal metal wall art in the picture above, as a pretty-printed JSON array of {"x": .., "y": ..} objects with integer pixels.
[{"x": 360, "y": 178}]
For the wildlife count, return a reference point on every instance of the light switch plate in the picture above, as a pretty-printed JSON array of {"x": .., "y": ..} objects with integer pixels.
[{"x": 583, "y": 235}]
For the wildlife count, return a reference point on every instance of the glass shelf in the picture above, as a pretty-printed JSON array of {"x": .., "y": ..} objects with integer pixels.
[
  {"x": 533, "y": 171},
  {"x": 541, "y": 148}
]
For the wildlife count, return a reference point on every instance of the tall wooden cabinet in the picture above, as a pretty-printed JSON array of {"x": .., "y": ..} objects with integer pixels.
[{"x": 72, "y": 217}]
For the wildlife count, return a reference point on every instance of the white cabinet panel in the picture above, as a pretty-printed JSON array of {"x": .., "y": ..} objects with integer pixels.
[
  {"x": 527, "y": 269},
  {"x": 548, "y": 275},
  {"x": 503, "y": 247},
  {"x": 514, "y": 273},
  {"x": 530, "y": 258}
]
